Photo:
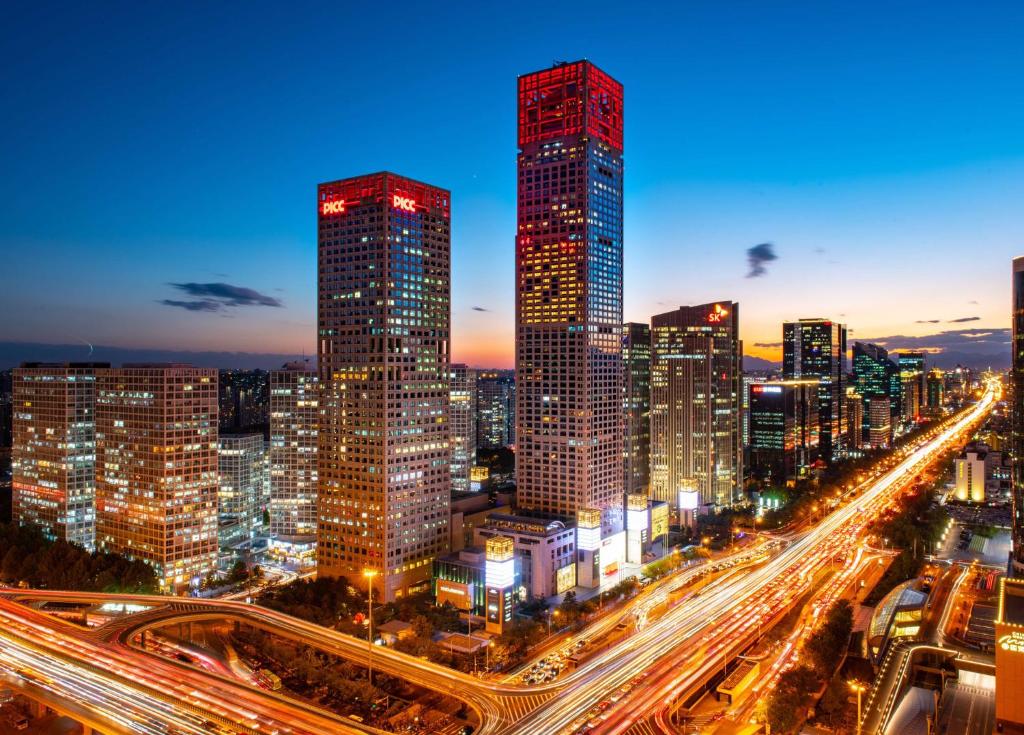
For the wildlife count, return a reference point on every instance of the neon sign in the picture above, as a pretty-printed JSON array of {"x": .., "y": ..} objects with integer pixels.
[
  {"x": 335, "y": 207},
  {"x": 1012, "y": 642},
  {"x": 718, "y": 314},
  {"x": 406, "y": 204}
]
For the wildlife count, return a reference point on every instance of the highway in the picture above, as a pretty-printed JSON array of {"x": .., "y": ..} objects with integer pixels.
[{"x": 630, "y": 683}]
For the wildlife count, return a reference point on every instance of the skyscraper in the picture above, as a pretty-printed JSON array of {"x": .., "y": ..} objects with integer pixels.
[
  {"x": 384, "y": 321},
  {"x": 875, "y": 376},
  {"x": 816, "y": 348},
  {"x": 239, "y": 497},
  {"x": 54, "y": 449},
  {"x": 495, "y": 409},
  {"x": 462, "y": 407},
  {"x": 569, "y": 294},
  {"x": 695, "y": 404},
  {"x": 294, "y": 416},
  {"x": 784, "y": 429},
  {"x": 636, "y": 358},
  {"x": 156, "y": 468},
  {"x": 1017, "y": 423}
]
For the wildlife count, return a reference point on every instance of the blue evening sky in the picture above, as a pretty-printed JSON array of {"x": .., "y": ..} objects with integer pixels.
[{"x": 878, "y": 146}]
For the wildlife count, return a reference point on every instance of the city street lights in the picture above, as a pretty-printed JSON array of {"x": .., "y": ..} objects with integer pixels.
[
  {"x": 369, "y": 574},
  {"x": 856, "y": 686},
  {"x": 487, "y": 655},
  {"x": 550, "y": 613}
]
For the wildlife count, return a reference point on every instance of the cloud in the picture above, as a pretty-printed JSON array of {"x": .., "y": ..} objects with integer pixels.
[
  {"x": 204, "y": 305},
  {"x": 973, "y": 302},
  {"x": 480, "y": 308},
  {"x": 962, "y": 340},
  {"x": 758, "y": 257},
  {"x": 963, "y": 319},
  {"x": 212, "y": 296},
  {"x": 927, "y": 321},
  {"x": 768, "y": 344},
  {"x": 819, "y": 251}
]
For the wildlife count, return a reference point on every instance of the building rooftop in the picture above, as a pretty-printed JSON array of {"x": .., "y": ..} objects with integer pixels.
[{"x": 1011, "y": 602}]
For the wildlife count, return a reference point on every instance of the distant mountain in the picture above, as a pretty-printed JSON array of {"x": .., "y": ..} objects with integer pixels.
[
  {"x": 12, "y": 354},
  {"x": 757, "y": 363},
  {"x": 950, "y": 359}
]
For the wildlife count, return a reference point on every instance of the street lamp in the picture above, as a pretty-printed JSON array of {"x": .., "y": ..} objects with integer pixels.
[
  {"x": 859, "y": 688},
  {"x": 369, "y": 574},
  {"x": 550, "y": 613}
]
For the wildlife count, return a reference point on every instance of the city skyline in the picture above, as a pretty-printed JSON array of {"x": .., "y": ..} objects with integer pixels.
[{"x": 717, "y": 166}]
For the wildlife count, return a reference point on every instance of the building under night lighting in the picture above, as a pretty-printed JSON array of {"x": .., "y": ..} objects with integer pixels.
[
  {"x": 1017, "y": 423},
  {"x": 462, "y": 415},
  {"x": 636, "y": 359},
  {"x": 156, "y": 468},
  {"x": 54, "y": 449},
  {"x": 784, "y": 429},
  {"x": 695, "y": 404},
  {"x": 569, "y": 294},
  {"x": 294, "y": 416},
  {"x": 384, "y": 320},
  {"x": 816, "y": 348}
]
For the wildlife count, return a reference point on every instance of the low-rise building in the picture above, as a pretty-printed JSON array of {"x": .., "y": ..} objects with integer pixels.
[{"x": 545, "y": 550}]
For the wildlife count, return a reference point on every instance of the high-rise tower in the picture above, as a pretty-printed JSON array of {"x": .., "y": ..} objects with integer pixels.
[
  {"x": 636, "y": 359},
  {"x": 54, "y": 449},
  {"x": 816, "y": 348},
  {"x": 569, "y": 294},
  {"x": 1017, "y": 425},
  {"x": 462, "y": 415},
  {"x": 696, "y": 380},
  {"x": 294, "y": 417},
  {"x": 384, "y": 320},
  {"x": 156, "y": 468}
]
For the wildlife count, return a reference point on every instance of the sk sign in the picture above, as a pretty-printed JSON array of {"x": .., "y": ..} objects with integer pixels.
[
  {"x": 718, "y": 314},
  {"x": 406, "y": 204}
]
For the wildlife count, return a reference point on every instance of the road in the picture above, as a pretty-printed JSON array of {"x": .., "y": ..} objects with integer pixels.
[{"x": 630, "y": 683}]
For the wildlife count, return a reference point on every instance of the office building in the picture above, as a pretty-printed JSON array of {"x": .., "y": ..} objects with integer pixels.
[
  {"x": 695, "y": 405},
  {"x": 240, "y": 495},
  {"x": 748, "y": 380},
  {"x": 294, "y": 417},
  {"x": 243, "y": 400},
  {"x": 636, "y": 358},
  {"x": 934, "y": 392},
  {"x": 879, "y": 422},
  {"x": 495, "y": 409},
  {"x": 970, "y": 471},
  {"x": 384, "y": 311},
  {"x": 53, "y": 460},
  {"x": 1009, "y": 650},
  {"x": 462, "y": 412},
  {"x": 816, "y": 348},
  {"x": 156, "y": 468},
  {"x": 854, "y": 419},
  {"x": 1017, "y": 414},
  {"x": 569, "y": 293},
  {"x": 876, "y": 376},
  {"x": 784, "y": 429}
]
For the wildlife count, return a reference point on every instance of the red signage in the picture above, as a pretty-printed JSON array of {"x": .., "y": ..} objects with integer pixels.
[
  {"x": 407, "y": 204},
  {"x": 335, "y": 207},
  {"x": 718, "y": 314}
]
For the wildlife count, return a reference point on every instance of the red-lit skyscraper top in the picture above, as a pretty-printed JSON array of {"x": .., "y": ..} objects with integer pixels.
[{"x": 569, "y": 99}]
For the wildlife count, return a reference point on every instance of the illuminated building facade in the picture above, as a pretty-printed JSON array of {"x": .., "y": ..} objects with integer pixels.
[
  {"x": 156, "y": 468},
  {"x": 878, "y": 411},
  {"x": 384, "y": 331},
  {"x": 294, "y": 417},
  {"x": 462, "y": 412},
  {"x": 696, "y": 378},
  {"x": 1009, "y": 634},
  {"x": 784, "y": 429},
  {"x": 495, "y": 408},
  {"x": 239, "y": 499},
  {"x": 569, "y": 293},
  {"x": 1017, "y": 413},
  {"x": 636, "y": 358},
  {"x": 876, "y": 376},
  {"x": 934, "y": 392},
  {"x": 816, "y": 348},
  {"x": 854, "y": 419},
  {"x": 546, "y": 550},
  {"x": 54, "y": 449}
]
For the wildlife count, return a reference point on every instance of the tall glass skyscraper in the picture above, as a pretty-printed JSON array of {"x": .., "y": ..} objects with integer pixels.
[
  {"x": 816, "y": 348},
  {"x": 1017, "y": 391},
  {"x": 569, "y": 293},
  {"x": 636, "y": 357}
]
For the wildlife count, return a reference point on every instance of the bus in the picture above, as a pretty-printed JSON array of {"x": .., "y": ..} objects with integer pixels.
[{"x": 269, "y": 679}]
